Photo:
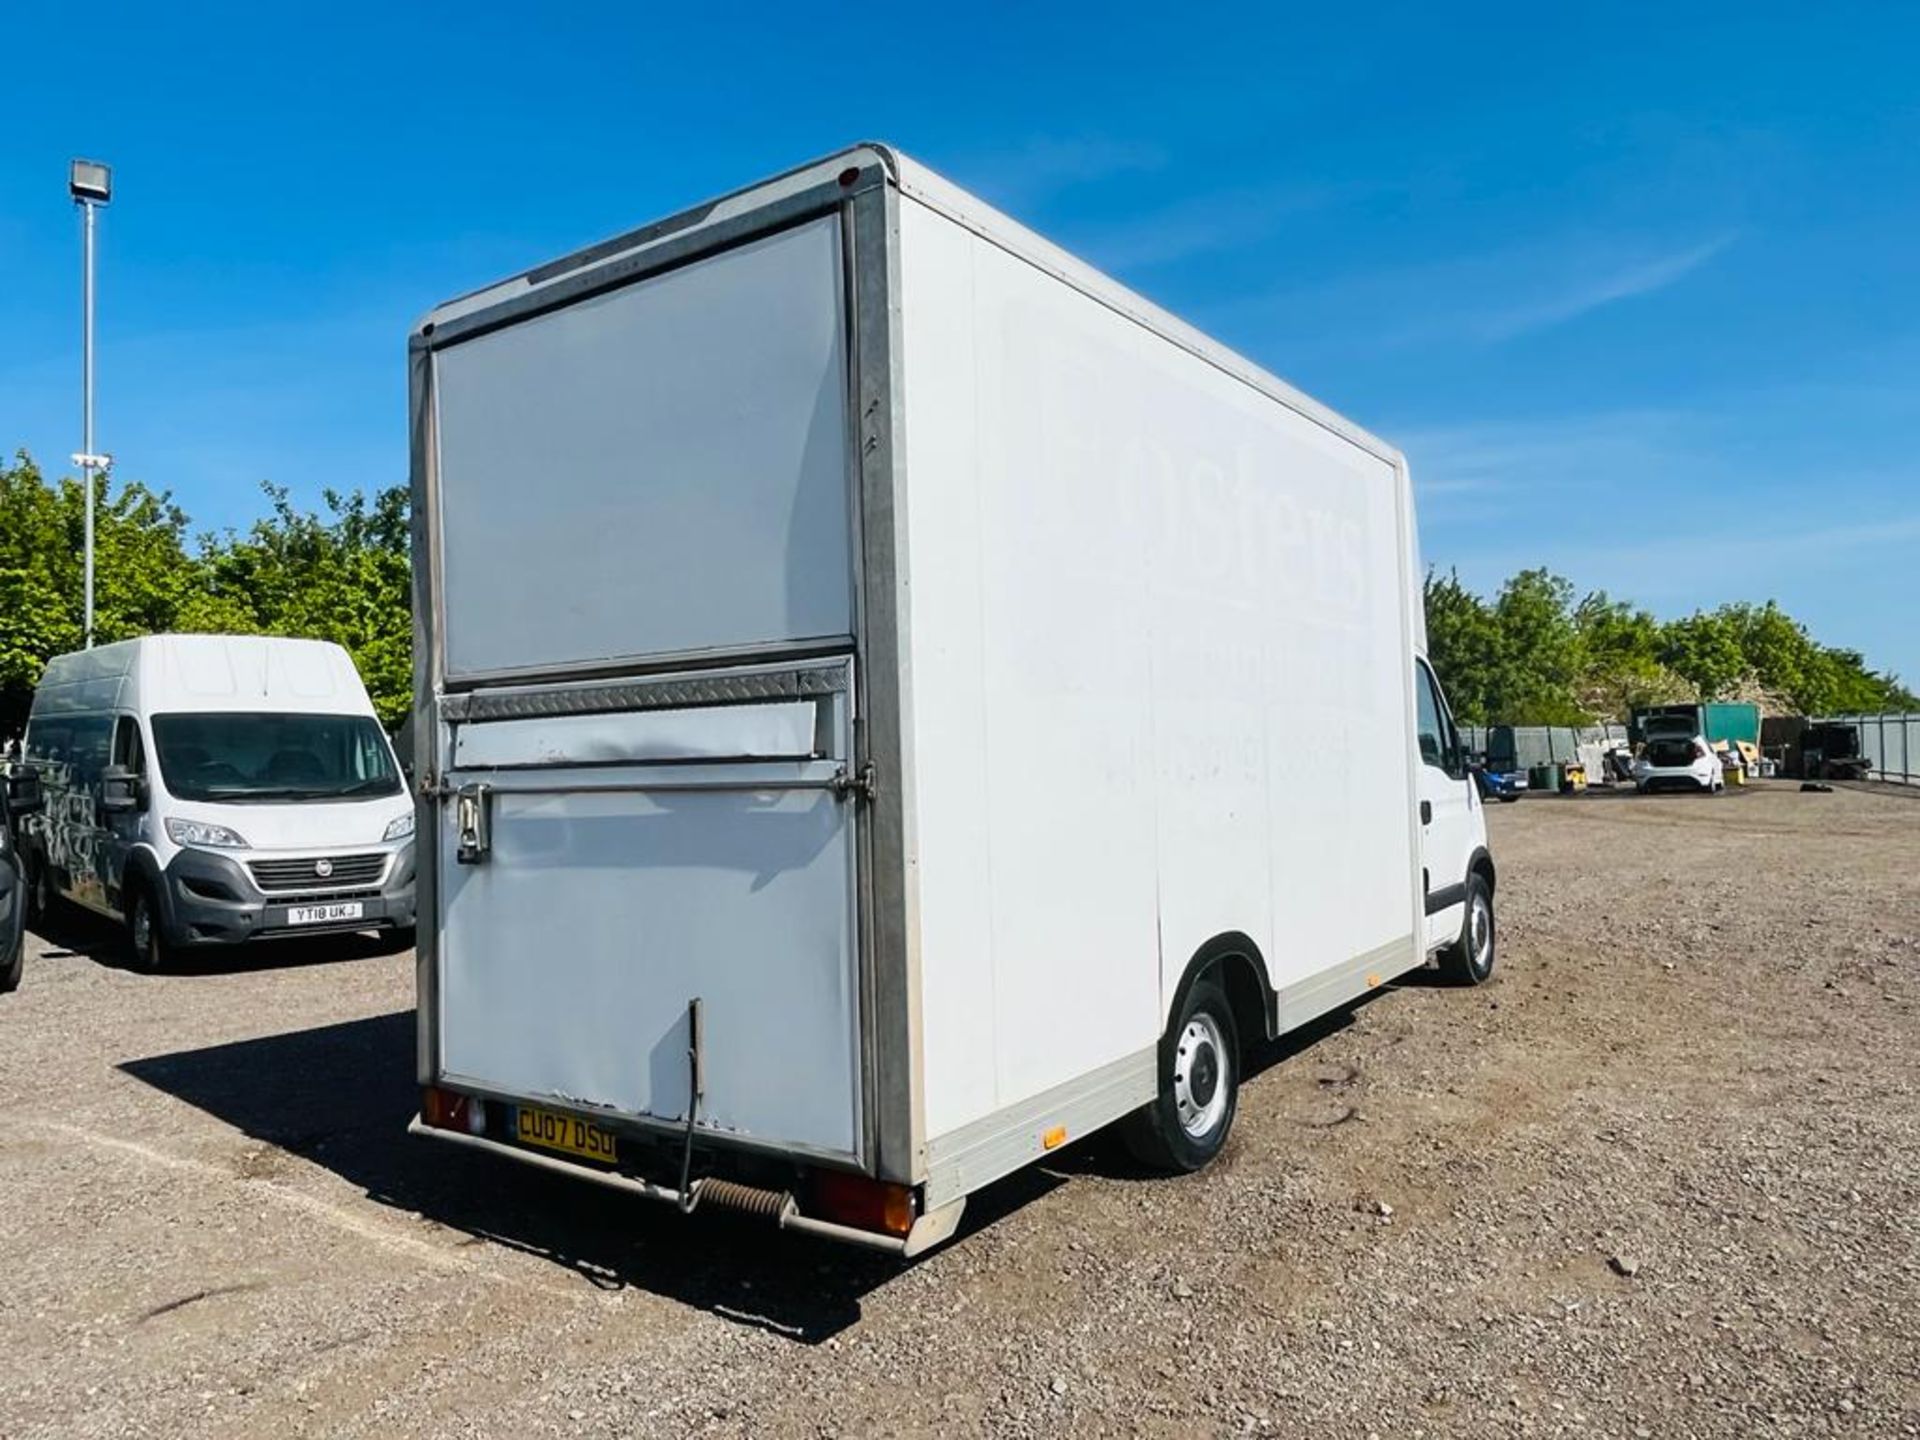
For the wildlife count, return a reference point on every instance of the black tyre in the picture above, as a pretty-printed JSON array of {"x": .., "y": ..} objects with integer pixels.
[
  {"x": 1185, "y": 1125},
  {"x": 145, "y": 939},
  {"x": 1508, "y": 799},
  {"x": 1469, "y": 960},
  {"x": 12, "y": 969}
]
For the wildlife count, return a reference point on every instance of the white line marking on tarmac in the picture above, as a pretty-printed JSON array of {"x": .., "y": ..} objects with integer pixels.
[{"x": 322, "y": 1210}]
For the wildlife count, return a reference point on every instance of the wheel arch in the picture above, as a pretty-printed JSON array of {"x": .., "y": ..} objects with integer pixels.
[
  {"x": 1481, "y": 863},
  {"x": 142, "y": 867},
  {"x": 1233, "y": 956}
]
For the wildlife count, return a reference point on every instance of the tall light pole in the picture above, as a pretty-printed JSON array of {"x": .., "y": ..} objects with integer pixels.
[{"x": 91, "y": 185}]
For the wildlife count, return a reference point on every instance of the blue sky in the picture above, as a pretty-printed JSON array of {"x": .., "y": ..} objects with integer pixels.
[{"x": 1636, "y": 290}]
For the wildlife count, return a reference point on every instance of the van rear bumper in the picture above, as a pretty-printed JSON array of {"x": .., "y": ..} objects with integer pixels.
[
  {"x": 210, "y": 899},
  {"x": 929, "y": 1229}
]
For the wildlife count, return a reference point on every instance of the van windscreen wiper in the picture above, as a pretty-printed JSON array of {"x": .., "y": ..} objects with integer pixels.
[
  {"x": 254, "y": 792},
  {"x": 377, "y": 785}
]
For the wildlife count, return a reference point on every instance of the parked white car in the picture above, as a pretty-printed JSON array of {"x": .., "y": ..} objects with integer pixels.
[{"x": 1678, "y": 761}]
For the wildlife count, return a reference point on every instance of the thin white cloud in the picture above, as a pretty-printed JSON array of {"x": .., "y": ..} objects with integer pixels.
[
  {"x": 1480, "y": 299},
  {"x": 1591, "y": 455},
  {"x": 1750, "y": 553},
  {"x": 1592, "y": 291},
  {"x": 1203, "y": 225},
  {"x": 1045, "y": 165}
]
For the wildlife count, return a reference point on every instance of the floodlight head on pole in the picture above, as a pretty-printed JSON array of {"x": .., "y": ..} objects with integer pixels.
[{"x": 89, "y": 182}]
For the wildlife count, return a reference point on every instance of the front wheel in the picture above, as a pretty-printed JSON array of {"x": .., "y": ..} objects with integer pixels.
[
  {"x": 1469, "y": 960},
  {"x": 1184, "y": 1126},
  {"x": 14, "y": 968},
  {"x": 144, "y": 932}
]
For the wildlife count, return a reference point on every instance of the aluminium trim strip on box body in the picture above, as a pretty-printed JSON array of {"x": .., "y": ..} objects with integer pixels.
[
  {"x": 756, "y": 685},
  {"x": 669, "y": 252},
  {"x": 1307, "y": 1000},
  {"x": 666, "y": 239},
  {"x": 422, "y": 499},
  {"x": 889, "y": 905},
  {"x": 997, "y": 1144}
]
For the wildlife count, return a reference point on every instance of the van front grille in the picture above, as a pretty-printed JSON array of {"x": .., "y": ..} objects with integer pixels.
[{"x": 328, "y": 872}]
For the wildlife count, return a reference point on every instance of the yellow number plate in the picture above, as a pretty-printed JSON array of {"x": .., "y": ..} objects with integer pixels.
[{"x": 568, "y": 1133}]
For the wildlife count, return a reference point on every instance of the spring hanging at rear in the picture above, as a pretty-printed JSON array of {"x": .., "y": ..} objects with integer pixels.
[{"x": 745, "y": 1199}]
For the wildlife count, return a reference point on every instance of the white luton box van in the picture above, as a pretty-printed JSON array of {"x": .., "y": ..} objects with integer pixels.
[{"x": 893, "y": 702}]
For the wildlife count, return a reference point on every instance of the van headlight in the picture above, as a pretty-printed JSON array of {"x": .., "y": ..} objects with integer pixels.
[
  {"x": 203, "y": 832},
  {"x": 400, "y": 828}
]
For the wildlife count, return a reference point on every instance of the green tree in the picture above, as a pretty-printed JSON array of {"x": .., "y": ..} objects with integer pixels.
[
  {"x": 142, "y": 572},
  {"x": 1621, "y": 649},
  {"x": 343, "y": 577},
  {"x": 1463, "y": 645},
  {"x": 1775, "y": 649},
  {"x": 1704, "y": 650},
  {"x": 1541, "y": 653}
]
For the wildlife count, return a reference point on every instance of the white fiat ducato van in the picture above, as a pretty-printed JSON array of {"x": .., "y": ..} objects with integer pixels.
[{"x": 211, "y": 789}]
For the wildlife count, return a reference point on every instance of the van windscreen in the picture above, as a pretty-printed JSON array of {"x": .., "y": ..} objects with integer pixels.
[{"x": 253, "y": 756}]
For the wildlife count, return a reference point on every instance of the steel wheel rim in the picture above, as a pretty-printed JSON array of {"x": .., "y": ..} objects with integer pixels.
[
  {"x": 1200, "y": 1076},
  {"x": 1480, "y": 934},
  {"x": 142, "y": 928}
]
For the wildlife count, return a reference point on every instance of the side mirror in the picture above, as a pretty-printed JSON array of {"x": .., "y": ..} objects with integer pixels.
[
  {"x": 24, "y": 795},
  {"x": 119, "y": 790}
]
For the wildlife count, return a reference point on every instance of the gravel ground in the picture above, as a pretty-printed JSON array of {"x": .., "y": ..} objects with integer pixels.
[{"x": 1660, "y": 1178}]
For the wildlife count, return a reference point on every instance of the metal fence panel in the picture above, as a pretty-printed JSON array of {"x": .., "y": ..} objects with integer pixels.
[
  {"x": 1891, "y": 744},
  {"x": 1545, "y": 744}
]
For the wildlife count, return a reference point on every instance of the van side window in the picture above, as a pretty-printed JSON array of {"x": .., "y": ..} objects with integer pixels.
[
  {"x": 368, "y": 758},
  {"x": 1439, "y": 741},
  {"x": 1433, "y": 747},
  {"x": 128, "y": 750},
  {"x": 50, "y": 745},
  {"x": 91, "y": 737}
]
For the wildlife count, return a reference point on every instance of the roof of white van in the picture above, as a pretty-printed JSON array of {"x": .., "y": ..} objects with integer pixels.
[{"x": 180, "y": 673}]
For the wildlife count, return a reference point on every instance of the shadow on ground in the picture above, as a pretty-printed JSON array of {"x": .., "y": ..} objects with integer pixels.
[{"x": 341, "y": 1095}]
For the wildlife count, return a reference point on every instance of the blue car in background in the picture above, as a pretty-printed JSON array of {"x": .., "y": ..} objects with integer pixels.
[{"x": 1500, "y": 779}]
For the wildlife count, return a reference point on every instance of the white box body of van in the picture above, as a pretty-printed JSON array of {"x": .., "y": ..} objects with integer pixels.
[
  {"x": 868, "y": 663},
  {"x": 322, "y": 843}
]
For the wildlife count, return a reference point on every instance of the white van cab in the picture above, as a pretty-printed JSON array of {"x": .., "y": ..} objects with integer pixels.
[{"x": 210, "y": 789}]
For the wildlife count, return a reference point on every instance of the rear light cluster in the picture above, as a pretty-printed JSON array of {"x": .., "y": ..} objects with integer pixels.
[
  {"x": 450, "y": 1110},
  {"x": 862, "y": 1203}
]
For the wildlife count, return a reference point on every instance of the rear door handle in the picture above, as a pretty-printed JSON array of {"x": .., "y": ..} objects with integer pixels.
[{"x": 1426, "y": 812}]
